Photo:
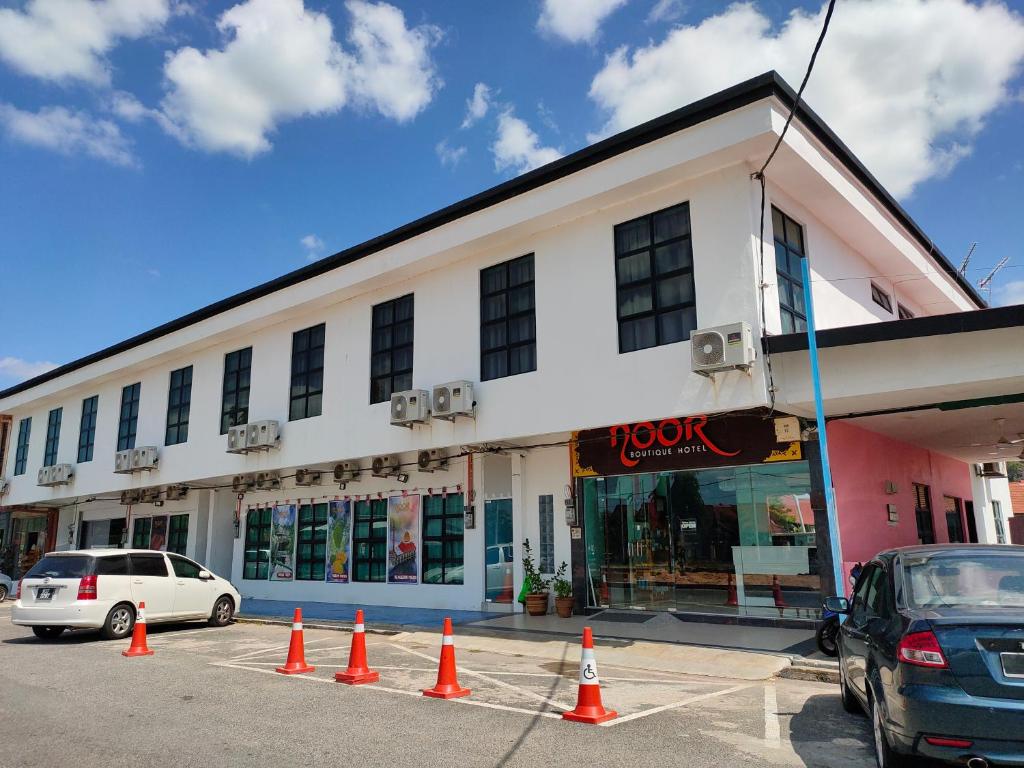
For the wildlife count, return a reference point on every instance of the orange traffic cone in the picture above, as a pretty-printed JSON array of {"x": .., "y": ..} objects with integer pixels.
[
  {"x": 447, "y": 686},
  {"x": 138, "y": 646},
  {"x": 358, "y": 672},
  {"x": 730, "y": 598},
  {"x": 780, "y": 602},
  {"x": 588, "y": 701},
  {"x": 296, "y": 664}
]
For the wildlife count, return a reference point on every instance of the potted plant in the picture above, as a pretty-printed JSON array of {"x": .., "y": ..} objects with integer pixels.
[
  {"x": 563, "y": 592},
  {"x": 535, "y": 586}
]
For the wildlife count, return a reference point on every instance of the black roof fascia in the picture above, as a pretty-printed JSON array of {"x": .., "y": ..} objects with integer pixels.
[
  {"x": 914, "y": 328},
  {"x": 740, "y": 95}
]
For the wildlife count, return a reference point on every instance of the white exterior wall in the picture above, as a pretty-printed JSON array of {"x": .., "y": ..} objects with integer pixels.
[{"x": 986, "y": 490}]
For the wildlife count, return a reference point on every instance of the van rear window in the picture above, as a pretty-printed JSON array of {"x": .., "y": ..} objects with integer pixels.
[{"x": 61, "y": 567}]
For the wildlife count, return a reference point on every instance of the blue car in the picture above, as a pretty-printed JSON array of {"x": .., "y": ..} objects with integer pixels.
[{"x": 932, "y": 649}]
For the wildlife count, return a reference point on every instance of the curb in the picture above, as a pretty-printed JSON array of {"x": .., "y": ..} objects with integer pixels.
[
  {"x": 817, "y": 671},
  {"x": 389, "y": 631}
]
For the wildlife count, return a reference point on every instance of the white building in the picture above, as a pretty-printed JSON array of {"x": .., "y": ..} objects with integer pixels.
[{"x": 539, "y": 292}]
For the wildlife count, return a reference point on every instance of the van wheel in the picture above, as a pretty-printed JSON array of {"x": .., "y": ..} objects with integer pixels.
[
  {"x": 223, "y": 611},
  {"x": 120, "y": 621},
  {"x": 47, "y": 633}
]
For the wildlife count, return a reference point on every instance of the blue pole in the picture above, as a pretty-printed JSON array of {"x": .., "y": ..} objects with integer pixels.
[{"x": 819, "y": 413}]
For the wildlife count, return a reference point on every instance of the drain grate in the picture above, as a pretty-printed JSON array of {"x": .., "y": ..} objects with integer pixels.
[{"x": 622, "y": 618}]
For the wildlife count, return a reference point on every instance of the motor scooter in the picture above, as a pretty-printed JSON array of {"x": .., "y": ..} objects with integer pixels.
[{"x": 828, "y": 630}]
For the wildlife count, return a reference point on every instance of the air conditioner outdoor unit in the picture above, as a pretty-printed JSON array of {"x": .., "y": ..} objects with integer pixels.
[
  {"x": 150, "y": 495},
  {"x": 146, "y": 458},
  {"x": 410, "y": 407},
  {"x": 990, "y": 469},
  {"x": 724, "y": 348},
  {"x": 268, "y": 481},
  {"x": 452, "y": 399},
  {"x": 306, "y": 477},
  {"x": 385, "y": 466},
  {"x": 346, "y": 472},
  {"x": 123, "y": 462},
  {"x": 57, "y": 474},
  {"x": 131, "y": 496},
  {"x": 433, "y": 459},
  {"x": 262, "y": 435},
  {"x": 175, "y": 492},
  {"x": 242, "y": 483},
  {"x": 43, "y": 476},
  {"x": 5, "y": 485},
  {"x": 237, "y": 438}
]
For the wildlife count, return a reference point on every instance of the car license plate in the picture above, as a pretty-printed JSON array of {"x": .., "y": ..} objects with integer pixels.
[
  {"x": 45, "y": 593},
  {"x": 1013, "y": 664}
]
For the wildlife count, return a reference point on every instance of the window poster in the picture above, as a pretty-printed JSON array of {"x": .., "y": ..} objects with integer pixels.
[
  {"x": 403, "y": 537},
  {"x": 339, "y": 518},
  {"x": 158, "y": 533},
  {"x": 282, "y": 543}
]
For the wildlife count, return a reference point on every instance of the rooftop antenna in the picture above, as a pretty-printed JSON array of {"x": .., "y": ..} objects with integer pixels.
[
  {"x": 985, "y": 284},
  {"x": 967, "y": 259}
]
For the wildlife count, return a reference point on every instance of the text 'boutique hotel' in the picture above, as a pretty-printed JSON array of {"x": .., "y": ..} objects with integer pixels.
[{"x": 601, "y": 356}]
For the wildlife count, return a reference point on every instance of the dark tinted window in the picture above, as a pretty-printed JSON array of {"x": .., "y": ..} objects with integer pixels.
[
  {"x": 391, "y": 348},
  {"x": 62, "y": 567},
  {"x": 179, "y": 403},
  {"x": 87, "y": 428},
  {"x": 508, "y": 323},
  {"x": 234, "y": 409},
  {"x": 307, "y": 390},
  {"x": 184, "y": 569},
  {"x": 112, "y": 566},
  {"x": 52, "y": 437},
  {"x": 21, "y": 453},
  {"x": 148, "y": 565},
  {"x": 129, "y": 421},
  {"x": 789, "y": 252}
]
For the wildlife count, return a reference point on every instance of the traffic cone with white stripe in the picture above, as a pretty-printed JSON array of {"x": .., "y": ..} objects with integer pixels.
[
  {"x": 138, "y": 646},
  {"x": 447, "y": 686},
  {"x": 296, "y": 663},
  {"x": 588, "y": 701},
  {"x": 358, "y": 673}
]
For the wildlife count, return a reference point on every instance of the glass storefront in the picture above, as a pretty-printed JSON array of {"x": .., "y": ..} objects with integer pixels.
[{"x": 735, "y": 540}]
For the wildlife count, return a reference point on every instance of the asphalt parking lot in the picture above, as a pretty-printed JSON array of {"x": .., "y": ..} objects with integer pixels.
[{"x": 211, "y": 697}]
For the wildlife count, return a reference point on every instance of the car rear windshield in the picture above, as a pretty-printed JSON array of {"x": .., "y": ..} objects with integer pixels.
[
  {"x": 976, "y": 580},
  {"x": 61, "y": 567}
]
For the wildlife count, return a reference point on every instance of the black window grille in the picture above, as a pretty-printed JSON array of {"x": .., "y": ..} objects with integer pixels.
[
  {"x": 311, "y": 552},
  {"x": 443, "y": 545},
  {"x": 179, "y": 404},
  {"x": 903, "y": 312},
  {"x": 21, "y": 453},
  {"x": 87, "y": 428},
  {"x": 391, "y": 348},
  {"x": 307, "y": 390},
  {"x": 256, "y": 564},
  {"x": 923, "y": 514},
  {"x": 234, "y": 409},
  {"x": 789, "y": 250},
  {"x": 546, "y": 551},
  {"x": 129, "y": 421},
  {"x": 508, "y": 321},
  {"x": 881, "y": 298},
  {"x": 52, "y": 437},
  {"x": 370, "y": 540}
]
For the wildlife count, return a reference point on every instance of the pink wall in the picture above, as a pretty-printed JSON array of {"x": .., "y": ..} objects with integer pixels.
[{"x": 862, "y": 462}]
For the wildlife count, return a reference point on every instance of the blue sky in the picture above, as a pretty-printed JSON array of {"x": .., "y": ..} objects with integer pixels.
[{"x": 133, "y": 189}]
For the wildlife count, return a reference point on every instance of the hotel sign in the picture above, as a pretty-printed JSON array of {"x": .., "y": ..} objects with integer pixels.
[{"x": 691, "y": 442}]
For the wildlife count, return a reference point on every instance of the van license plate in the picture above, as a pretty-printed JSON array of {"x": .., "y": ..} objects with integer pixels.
[
  {"x": 1013, "y": 664},
  {"x": 46, "y": 593}
]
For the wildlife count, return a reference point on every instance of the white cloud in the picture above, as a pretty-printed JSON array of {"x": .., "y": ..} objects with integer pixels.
[
  {"x": 280, "y": 61},
  {"x": 314, "y": 246},
  {"x": 1010, "y": 293},
  {"x": 666, "y": 10},
  {"x": 576, "y": 21},
  {"x": 15, "y": 369},
  {"x": 518, "y": 147},
  {"x": 448, "y": 155},
  {"x": 477, "y": 105},
  {"x": 68, "y": 39},
  {"x": 68, "y": 132},
  {"x": 906, "y": 89}
]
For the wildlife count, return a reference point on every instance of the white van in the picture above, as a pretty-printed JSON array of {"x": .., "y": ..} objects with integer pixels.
[{"x": 102, "y": 588}]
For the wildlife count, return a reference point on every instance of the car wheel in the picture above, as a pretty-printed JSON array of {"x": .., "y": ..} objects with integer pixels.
[
  {"x": 884, "y": 754},
  {"x": 846, "y": 695},
  {"x": 223, "y": 611},
  {"x": 120, "y": 621},
  {"x": 47, "y": 633},
  {"x": 3, "y": 592}
]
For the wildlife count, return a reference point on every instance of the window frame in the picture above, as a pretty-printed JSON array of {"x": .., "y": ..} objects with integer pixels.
[
  {"x": 958, "y": 511},
  {"x": 655, "y": 279},
  {"x": 311, "y": 537},
  {"x": 87, "y": 428},
  {"x": 508, "y": 351},
  {"x": 997, "y": 517},
  {"x": 174, "y": 558},
  {"x": 21, "y": 449},
  {"x": 260, "y": 520},
  {"x": 923, "y": 493},
  {"x": 52, "y": 445},
  {"x": 789, "y": 283},
  {"x": 881, "y": 297},
  {"x": 128, "y": 419},
  {"x": 373, "y": 506},
  {"x": 546, "y": 533},
  {"x": 452, "y": 508},
  {"x": 177, "y": 534},
  {"x": 178, "y": 412},
  {"x": 397, "y": 380},
  {"x": 133, "y": 556},
  {"x": 302, "y": 358},
  {"x": 232, "y": 413},
  {"x": 137, "y": 529},
  {"x": 903, "y": 313}
]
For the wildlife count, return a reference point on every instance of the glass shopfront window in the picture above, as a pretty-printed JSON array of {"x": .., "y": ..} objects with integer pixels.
[{"x": 737, "y": 540}]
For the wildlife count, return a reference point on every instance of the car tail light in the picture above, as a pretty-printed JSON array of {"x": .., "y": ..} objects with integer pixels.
[
  {"x": 921, "y": 649},
  {"x": 943, "y": 741},
  {"x": 17, "y": 591},
  {"x": 87, "y": 588}
]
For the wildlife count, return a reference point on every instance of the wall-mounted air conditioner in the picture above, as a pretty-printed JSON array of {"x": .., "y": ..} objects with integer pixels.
[
  {"x": 268, "y": 481},
  {"x": 149, "y": 495},
  {"x": 131, "y": 496},
  {"x": 723, "y": 348},
  {"x": 242, "y": 483},
  {"x": 175, "y": 492},
  {"x": 989, "y": 469},
  {"x": 410, "y": 407},
  {"x": 145, "y": 458},
  {"x": 385, "y": 466},
  {"x": 5, "y": 485},
  {"x": 431, "y": 460},
  {"x": 262, "y": 435},
  {"x": 123, "y": 462},
  {"x": 307, "y": 477},
  {"x": 236, "y": 438},
  {"x": 452, "y": 399},
  {"x": 43, "y": 476},
  {"x": 346, "y": 472}
]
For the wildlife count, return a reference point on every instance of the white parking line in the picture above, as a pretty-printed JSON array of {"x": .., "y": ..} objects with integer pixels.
[
  {"x": 250, "y": 654},
  {"x": 675, "y": 705},
  {"x": 772, "y": 731}
]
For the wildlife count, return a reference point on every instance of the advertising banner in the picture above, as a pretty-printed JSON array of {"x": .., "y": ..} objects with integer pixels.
[
  {"x": 403, "y": 539},
  {"x": 339, "y": 518},
  {"x": 282, "y": 543},
  {"x": 158, "y": 533}
]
